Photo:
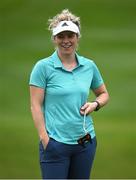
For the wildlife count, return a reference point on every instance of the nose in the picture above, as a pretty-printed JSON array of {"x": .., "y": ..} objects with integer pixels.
[{"x": 65, "y": 39}]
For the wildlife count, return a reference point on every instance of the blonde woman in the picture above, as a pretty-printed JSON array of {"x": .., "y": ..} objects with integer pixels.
[{"x": 59, "y": 90}]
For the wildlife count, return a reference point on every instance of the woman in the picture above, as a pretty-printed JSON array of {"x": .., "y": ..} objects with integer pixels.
[{"x": 59, "y": 89}]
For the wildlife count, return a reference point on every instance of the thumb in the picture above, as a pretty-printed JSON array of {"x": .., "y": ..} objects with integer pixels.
[{"x": 84, "y": 106}]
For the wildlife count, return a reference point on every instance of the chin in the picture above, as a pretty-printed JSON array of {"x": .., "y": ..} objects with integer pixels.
[{"x": 67, "y": 51}]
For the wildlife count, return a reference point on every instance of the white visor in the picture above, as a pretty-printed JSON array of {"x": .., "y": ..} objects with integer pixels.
[{"x": 66, "y": 26}]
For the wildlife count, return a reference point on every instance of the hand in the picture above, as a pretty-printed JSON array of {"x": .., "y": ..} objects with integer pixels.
[
  {"x": 88, "y": 107},
  {"x": 45, "y": 141}
]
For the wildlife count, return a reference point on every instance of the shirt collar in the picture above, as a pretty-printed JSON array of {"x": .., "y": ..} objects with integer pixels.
[
  {"x": 80, "y": 60},
  {"x": 58, "y": 63}
]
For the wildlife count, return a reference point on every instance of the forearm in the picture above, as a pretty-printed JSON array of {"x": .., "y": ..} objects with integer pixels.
[
  {"x": 38, "y": 118},
  {"x": 103, "y": 98},
  {"x": 89, "y": 107}
]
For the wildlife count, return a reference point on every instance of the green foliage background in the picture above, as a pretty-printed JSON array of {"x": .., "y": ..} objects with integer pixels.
[{"x": 108, "y": 37}]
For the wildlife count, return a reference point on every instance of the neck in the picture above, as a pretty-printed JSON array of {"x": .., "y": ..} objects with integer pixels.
[{"x": 67, "y": 58}]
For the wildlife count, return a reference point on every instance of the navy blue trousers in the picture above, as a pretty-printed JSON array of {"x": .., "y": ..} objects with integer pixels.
[{"x": 64, "y": 161}]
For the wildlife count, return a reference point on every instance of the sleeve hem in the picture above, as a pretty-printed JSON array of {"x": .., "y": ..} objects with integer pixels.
[
  {"x": 36, "y": 85},
  {"x": 97, "y": 86}
]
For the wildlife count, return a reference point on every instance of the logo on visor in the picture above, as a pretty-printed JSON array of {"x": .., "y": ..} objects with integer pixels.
[{"x": 65, "y": 24}]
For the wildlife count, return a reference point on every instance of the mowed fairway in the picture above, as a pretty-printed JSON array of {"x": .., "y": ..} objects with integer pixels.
[{"x": 109, "y": 38}]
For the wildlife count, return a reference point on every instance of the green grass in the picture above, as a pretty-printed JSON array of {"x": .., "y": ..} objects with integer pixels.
[
  {"x": 115, "y": 155},
  {"x": 108, "y": 37}
]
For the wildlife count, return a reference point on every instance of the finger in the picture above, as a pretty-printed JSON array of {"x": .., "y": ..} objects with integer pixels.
[
  {"x": 82, "y": 112},
  {"x": 87, "y": 110},
  {"x": 84, "y": 106}
]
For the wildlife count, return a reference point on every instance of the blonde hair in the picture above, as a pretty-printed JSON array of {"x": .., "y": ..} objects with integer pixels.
[{"x": 65, "y": 15}]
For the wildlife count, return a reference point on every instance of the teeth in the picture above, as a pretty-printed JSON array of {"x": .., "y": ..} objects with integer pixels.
[{"x": 66, "y": 46}]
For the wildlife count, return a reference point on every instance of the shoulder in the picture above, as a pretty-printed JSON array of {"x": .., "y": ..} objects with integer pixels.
[
  {"x": 44, "y": 62},
  {"x": 44, "y": 66},
  {"x": 86, "y": 61}
]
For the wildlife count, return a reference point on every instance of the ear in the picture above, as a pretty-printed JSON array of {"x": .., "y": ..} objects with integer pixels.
[
  {"x": 78, "y": 38},
  {"x": 54, "y": 40}
]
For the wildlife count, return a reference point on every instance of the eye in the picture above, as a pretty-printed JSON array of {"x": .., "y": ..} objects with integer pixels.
[
  {"x": 60, "y": 36},
  {"x": 71, "y": 35}
]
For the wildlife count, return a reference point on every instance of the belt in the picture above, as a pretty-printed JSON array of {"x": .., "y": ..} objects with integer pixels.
[{"x": 84, "y": 139}]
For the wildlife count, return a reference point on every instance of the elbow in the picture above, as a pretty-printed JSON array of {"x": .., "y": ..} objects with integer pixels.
[
  {"x": 107, "y": 97},
  {"x": 32, "y": 109}
]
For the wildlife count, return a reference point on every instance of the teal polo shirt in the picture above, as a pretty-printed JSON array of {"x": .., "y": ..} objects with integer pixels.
[{"x": 65, "y": 93}]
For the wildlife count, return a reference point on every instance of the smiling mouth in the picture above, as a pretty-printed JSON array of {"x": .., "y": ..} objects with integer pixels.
[{"x": 66, "y": 46}]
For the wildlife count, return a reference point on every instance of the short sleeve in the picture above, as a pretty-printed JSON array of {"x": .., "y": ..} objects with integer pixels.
[
  {"x": 38, "y": 75},
  {"x": 97, "y": 79}
]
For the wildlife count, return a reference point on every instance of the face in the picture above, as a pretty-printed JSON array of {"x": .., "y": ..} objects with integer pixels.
[{"x": 66, "y": 42}]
